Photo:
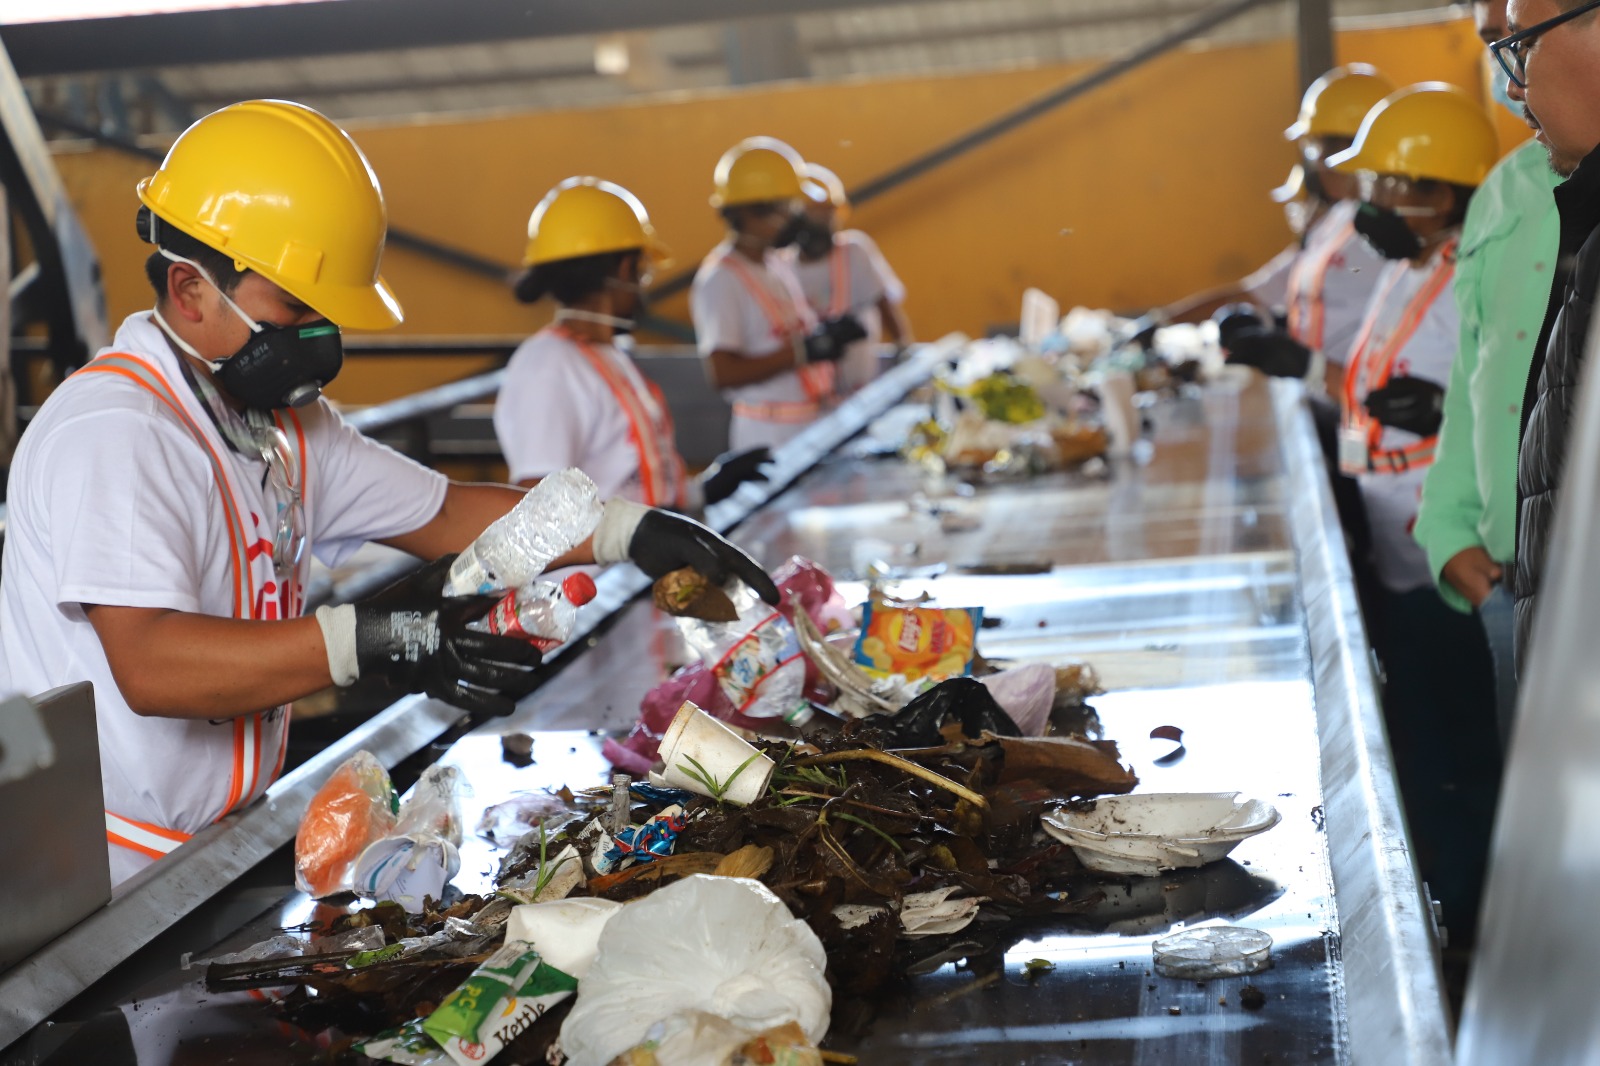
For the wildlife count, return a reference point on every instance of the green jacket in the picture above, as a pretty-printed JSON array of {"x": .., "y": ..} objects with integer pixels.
[{"x": 1503, "y": 274}]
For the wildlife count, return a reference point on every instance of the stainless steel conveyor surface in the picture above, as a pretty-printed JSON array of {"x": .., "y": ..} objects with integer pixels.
[{"x": 1206, "y": 582}]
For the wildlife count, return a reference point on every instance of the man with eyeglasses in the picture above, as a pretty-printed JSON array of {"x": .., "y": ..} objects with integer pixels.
[
  {"x": 1552, "y": 59},
  {"x": 163, "y": 501},
  {"x": 1467, "y": 521},
  {"x": 763, "y": 346}
]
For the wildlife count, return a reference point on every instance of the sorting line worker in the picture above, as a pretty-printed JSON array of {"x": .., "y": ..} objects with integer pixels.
[
  {"x": 1323, "y": 282},
  {"x": 842, "y": 271},
  {"x": 764, "y": 348},
  {"x": 1507, "y": 263},
  {"x": 164, "y": 498},
  {"x": 572, "y": 397},
  {"x": 1420, "y": 155}
]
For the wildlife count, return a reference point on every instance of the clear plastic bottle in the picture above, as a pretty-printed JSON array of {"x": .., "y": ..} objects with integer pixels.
[
  {"x": 756, "y": 660},
  {"x": 550, "y": 520},
  {"x": 541, "y": 612}
]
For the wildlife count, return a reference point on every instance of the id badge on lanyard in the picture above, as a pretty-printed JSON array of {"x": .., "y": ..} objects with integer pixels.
[{"x": 1354, "y": 456}]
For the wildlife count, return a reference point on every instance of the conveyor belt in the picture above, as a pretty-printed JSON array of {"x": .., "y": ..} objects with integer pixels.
[{"x": 1208, "y": 587}]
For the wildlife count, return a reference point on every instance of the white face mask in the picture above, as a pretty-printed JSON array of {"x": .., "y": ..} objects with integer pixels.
[{"x": 1500, "y": 88}]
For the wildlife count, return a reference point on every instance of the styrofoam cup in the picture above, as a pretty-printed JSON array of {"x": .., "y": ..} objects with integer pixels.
[{"x": 696, "y": 735}]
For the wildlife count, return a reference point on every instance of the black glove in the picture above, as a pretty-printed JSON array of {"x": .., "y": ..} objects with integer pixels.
[
  {"x": 723, "y": 477},
  {"x": 827, "y": 343},
  {"x": 664, "y": 542},
  {"x": 1415, "y": 405},
  {"x": 1273, "y": 353},
  {"x": 1235, "y": 318},
  {"x": 418, "y": 641}
]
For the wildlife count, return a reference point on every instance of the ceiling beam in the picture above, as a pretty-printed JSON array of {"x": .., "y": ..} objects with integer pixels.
[{"x": 330, "y": 27}]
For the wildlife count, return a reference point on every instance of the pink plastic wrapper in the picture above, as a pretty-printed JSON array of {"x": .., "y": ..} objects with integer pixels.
[{"x": 799, "y": 580}]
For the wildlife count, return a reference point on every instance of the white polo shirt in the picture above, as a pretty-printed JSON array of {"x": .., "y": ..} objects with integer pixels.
[
  {"x": 555, "y": 411},
  {"x": 753, "y": 309},
  {"x": 112, "y": 502}
]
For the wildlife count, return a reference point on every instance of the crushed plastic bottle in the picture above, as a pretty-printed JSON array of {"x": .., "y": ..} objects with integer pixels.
[
  {"x": 1212, "y": 951},
  {"x": 549, "y": 521},
  {"x": 542, "y": 612},
  {"x": 756, "y": 660}
]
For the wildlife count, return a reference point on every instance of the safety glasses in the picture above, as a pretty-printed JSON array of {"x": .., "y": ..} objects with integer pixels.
[
  {"x": 1386, "y": 190},
  {"x": 1512, "y": 52},
  {"x": 289, "y": 542}
]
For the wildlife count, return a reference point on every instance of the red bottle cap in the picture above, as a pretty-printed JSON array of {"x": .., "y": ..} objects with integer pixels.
[{"x": 578, "y": 588}]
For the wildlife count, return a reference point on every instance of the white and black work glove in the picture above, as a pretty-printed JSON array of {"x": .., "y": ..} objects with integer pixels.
[
  {"x": 1415, "y": 405},
  {"x": 1274, "y": 353},
  {"x": 418, "y": 641},
  {"x": 732, "y": 469},
  {"x": 827, "y": 343},
  {"x": 659, "y": 542}
]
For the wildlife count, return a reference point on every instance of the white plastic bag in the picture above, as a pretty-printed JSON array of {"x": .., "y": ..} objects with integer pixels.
[
  {"x": 723, "y": 945},
  {"x": 1025, "y": 693}
]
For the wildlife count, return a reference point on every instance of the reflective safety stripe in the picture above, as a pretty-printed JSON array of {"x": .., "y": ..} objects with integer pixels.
[
  {"x": 1370, "y": 371},
  {"x": 1308, "y": 278},
  {"x": 778, "y": 412},
  {"x": 153, "y": 840},
  {"x": 661, "y": 474},
  {"x": 147, "y": 839},
  {"x": 838, "y": 281},
  {"x": 817, "y": 379},
  {"x": 143, "y": 374}
]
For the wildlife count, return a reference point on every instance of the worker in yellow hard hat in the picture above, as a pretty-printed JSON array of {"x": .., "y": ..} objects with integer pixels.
[
  {"x": 1418, "y": 158},
  {"x": 572, "y": 397},
  {"x": 1321, "y": 283},
  {"x": 768, "y": 353},
  {"x": 841, "y": 271},
  {"x": 167, "y": 499}
]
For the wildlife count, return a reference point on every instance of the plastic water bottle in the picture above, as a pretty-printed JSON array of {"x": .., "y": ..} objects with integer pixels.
[
  {"x": 542, "y": 612},
  {"x": 549, "y": 521}
]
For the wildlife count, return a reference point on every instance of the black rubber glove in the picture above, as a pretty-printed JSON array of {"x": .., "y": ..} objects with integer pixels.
[
  {"x": 1273, "y": 353},
  {"x": 417, "y": 640},
  {"x": 664, "y": 542},
  {"x": 1415, "y": 405},
  {"x": 723, "y": 477},
  {"x": 827, "y": 343},
  {"x": 1235, "y": 318}
]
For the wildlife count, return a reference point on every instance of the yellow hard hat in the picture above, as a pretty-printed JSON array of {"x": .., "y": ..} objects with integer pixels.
[
  {"x": 1431, "y": 130},
  {"x": 1336, "y": 103},
  {"x": 585, "y": 216},
  {"x": 757, "y": 170},
  {"x": 287, "y": 194},
  {"x": 824, "y": 186}
]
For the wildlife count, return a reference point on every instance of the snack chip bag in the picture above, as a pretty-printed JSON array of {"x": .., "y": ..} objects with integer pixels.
[{"x": 918, "y": 642}]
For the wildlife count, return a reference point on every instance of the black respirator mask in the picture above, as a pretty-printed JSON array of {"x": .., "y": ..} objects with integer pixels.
[
  {"x": 791, "y": 230},
  {"x": 279, "y": 366},
  {"x": 1387, "y": 232}
]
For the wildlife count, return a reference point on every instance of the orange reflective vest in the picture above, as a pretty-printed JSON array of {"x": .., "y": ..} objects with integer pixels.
[{"x": 256, "y": 733}]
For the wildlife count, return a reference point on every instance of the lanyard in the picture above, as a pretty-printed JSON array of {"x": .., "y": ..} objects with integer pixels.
[{"x": 1370, "y": 370}]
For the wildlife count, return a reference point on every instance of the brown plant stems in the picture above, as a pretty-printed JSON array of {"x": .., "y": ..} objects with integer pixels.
[{"x": 903, "y": 765}]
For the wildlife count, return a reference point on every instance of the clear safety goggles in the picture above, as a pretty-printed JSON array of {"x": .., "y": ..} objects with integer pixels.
[
  {"x": 1386, "y": 190},
  {"x": 289, "y": 542}
]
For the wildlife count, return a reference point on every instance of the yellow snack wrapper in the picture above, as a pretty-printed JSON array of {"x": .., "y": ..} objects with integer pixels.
[{"x": 918, "y": 642}]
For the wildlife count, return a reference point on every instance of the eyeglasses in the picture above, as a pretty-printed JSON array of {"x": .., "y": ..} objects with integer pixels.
[
  {"x": 1512, "y": 52},
  {"x": 1383, "y": 190},
  {"x": 289, "y": 542}
]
